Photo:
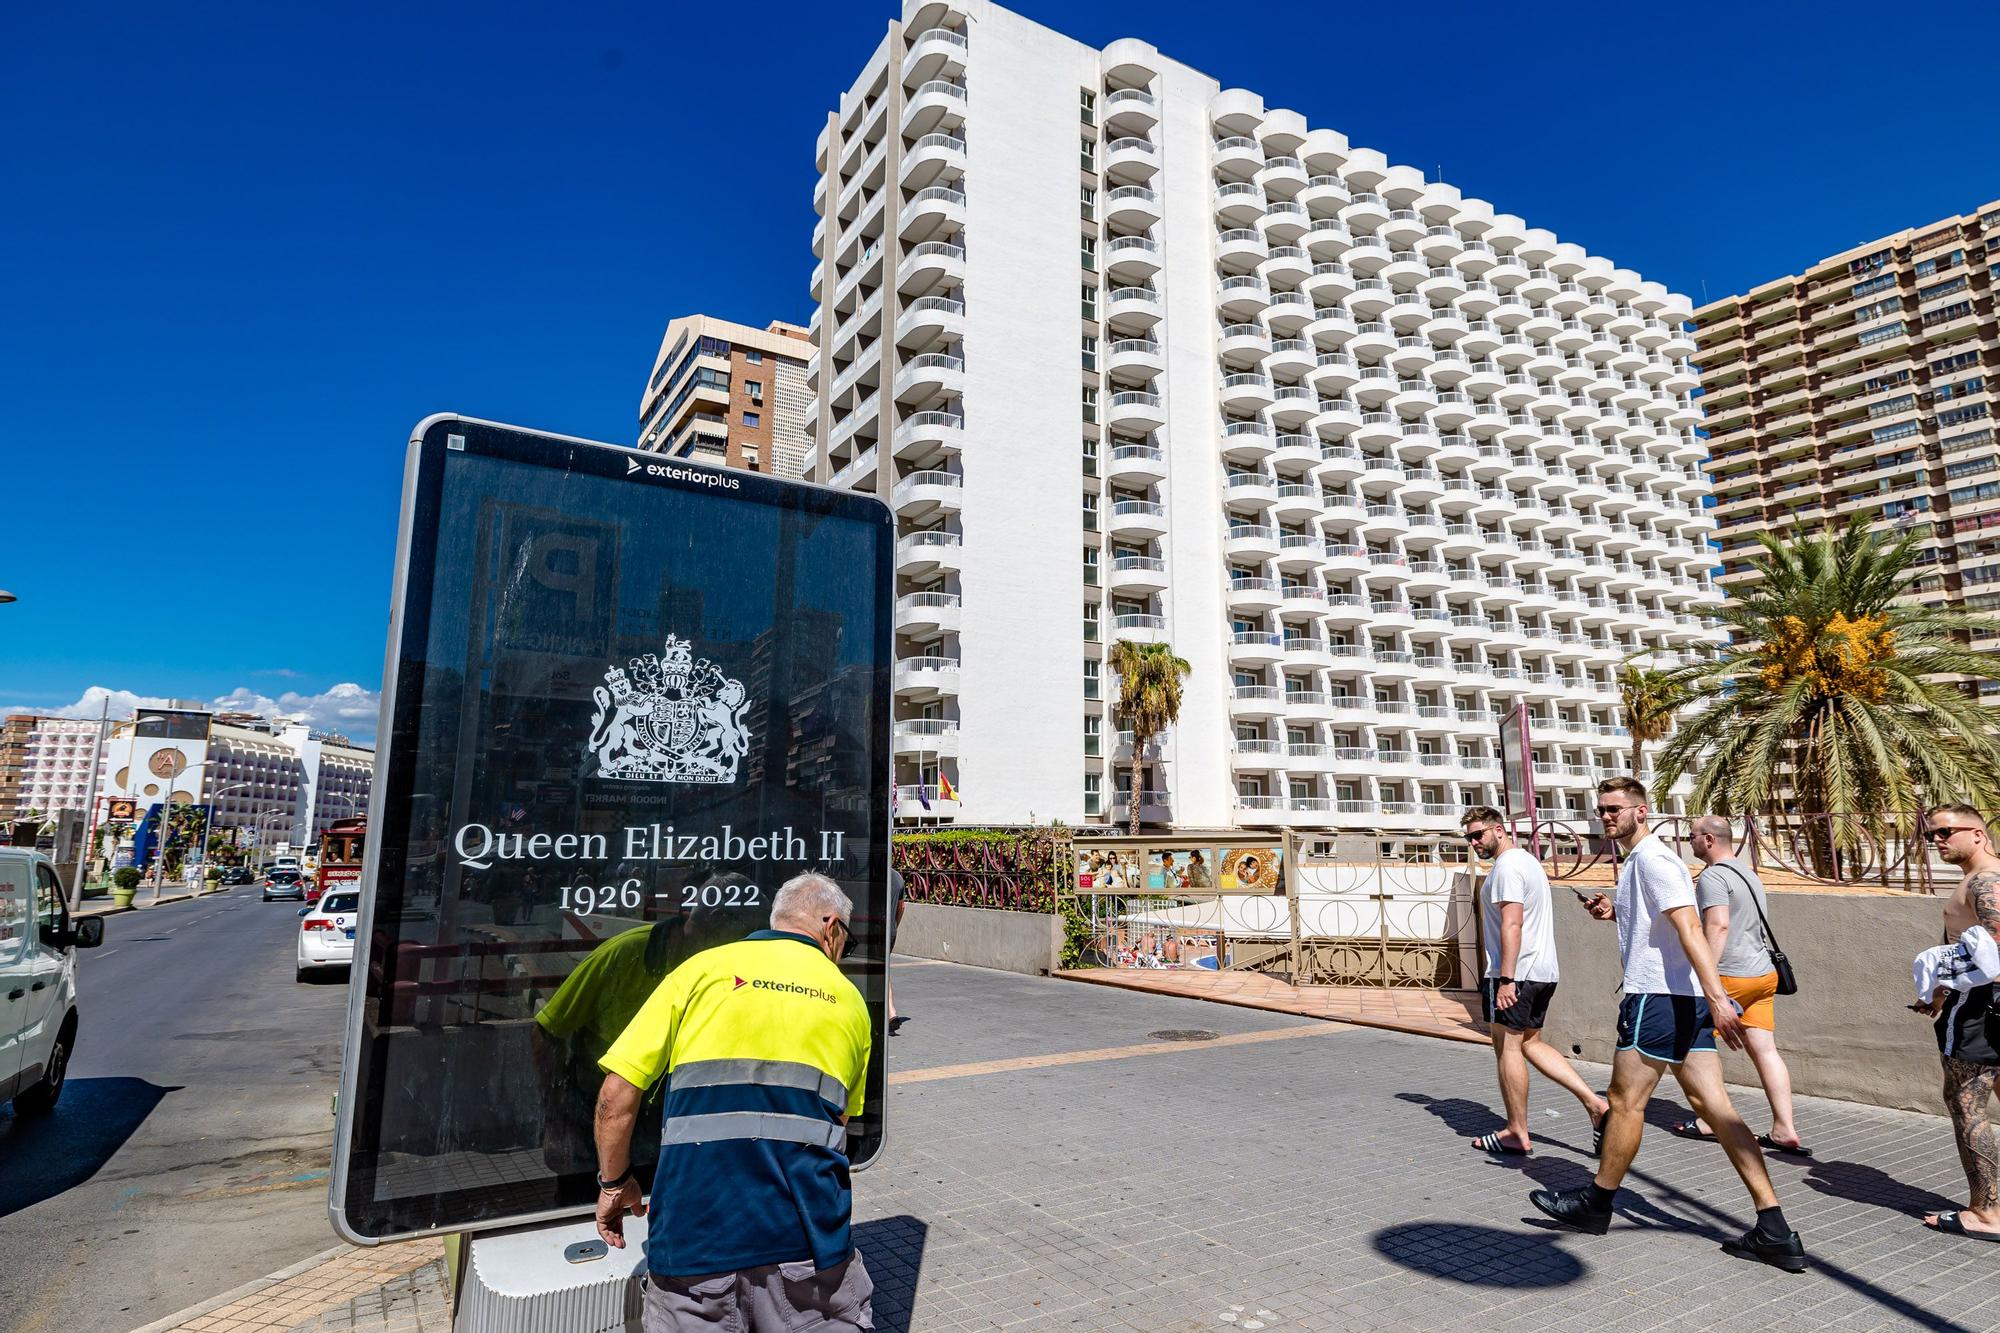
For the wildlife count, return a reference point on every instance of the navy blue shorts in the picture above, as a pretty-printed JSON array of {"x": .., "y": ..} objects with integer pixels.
[{"x": 1665, "y": 1027}]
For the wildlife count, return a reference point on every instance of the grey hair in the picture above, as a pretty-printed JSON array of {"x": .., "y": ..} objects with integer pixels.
[
  {"x": 1715, "y": 826},
  {"x": 808, "y": 899}
]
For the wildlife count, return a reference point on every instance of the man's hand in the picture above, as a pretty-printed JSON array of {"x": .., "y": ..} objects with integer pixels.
[
  {"x": 1601, "y": 908},
  {"x": 1934, "y": 1006},
  {"x": 1505, "y": 996},
  {"x": 1728, "y": 1021},
  {"x": 612, "y": 1205}
]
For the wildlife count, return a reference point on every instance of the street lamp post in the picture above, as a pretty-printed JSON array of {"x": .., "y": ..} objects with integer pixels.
[{"x": 208, "y": 819}]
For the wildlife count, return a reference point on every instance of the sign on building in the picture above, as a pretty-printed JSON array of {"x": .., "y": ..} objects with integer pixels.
[{"x": 626, "y": 699}]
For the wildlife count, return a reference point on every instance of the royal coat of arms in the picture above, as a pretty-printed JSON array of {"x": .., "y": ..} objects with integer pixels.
[{"x": 669, "y": 719}]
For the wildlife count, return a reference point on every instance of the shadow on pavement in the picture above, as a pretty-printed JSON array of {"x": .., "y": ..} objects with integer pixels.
[
  {"x": 1871, "y": 1185},
  {"x": 43, "y": 1156},
  {"x": 1479, "y": 1256},
  {"x": 893, "y": 1248}
]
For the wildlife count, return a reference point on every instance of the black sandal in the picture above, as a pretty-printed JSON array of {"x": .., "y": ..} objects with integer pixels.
[
  {"x": 1789, "y": 1149},
  {"x": 1690, "y": 1129},
  {"x": 1490, "y": 1143}
]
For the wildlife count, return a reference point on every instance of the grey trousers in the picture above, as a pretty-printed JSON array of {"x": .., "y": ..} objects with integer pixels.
[{"x": 776, "y": 1298}]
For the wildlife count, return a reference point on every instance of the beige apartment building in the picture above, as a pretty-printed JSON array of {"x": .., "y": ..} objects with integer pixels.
[
  {"x": 1862, "y": 386},
  {"x": 727, "y": 393}
]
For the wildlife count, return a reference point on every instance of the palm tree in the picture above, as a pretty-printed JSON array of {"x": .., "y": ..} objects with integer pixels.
[
  {"x": 1834, "y": 695},
  {"x": 1649, "y": 700},
  {"x": 1149, "y": 700}
]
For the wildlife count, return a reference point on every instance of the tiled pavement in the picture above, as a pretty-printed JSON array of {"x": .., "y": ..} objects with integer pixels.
[
  {"x": 1430, "y": 1013},
  {"x": 1323, "y": 1182}
]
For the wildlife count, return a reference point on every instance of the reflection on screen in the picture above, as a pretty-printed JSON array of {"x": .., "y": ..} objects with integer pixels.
[{"x": 629, "y": 711}]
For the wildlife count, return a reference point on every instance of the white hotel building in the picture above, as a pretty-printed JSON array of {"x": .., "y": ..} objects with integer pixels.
[{"x": 1134, "y": 356}]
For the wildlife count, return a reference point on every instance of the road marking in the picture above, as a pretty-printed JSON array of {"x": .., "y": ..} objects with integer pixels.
[
  {"x": 940, "y": 1072},
  {"x": 107, "y": 953}
]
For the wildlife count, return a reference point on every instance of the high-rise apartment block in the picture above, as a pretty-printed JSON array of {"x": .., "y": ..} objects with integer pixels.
[
  {"x": 727, "y": 393},
  {"x": 45, "y": 764},
  {"x": 1133, "y": 356},
  {"x": 1861, "y": 386}
]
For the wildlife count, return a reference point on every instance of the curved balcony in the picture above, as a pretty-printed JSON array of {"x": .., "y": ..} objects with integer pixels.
[
  {"x": 927, "y": 614},
  {"x": 932, "y": 212},
  {"x": 1286, "y": 267},
  {"x": 934, "y": 159},
  {"x": 922, "y": 553},
  {"x": 1253, "y": 596},
  {"x": 1336, "y": 420},
  {"x": 1239, "y": 204},
  {"x": 1128, "y": 110},
  {"x": 1131, "y": 160},
  {"x": 1291, "y": 358},
  {"x": 1380, "y": 430},
  {"x": 1254, "y": 648},
  {"x": 922, "y": 496},
  {"x": 1250, "y": 541},
  {"x": 1249, "y": 492},
  {"x": 1137, "y": 627},
  {"x": 1339, "y": 464},
  {"x": 1256, "y": 756},
  {"x": 1137, "y": 519},
  {"x": 1243, "y": 296},
  {"x": 1327, "y": 241},
  {"x": 1248, "y": 442},
  {"x": 936, "y": 104},
  {"x": 1333, "y": 372},
  {"x": 911, "y": 798},
  {"x": 1136, "y": 464},
  {"x": 1367, "y": 255},
  {"x": 1282, "y": 176},
  {"x": 1133, "y": 206},
  {"x": 1256, "y": 701},
  {"x": 927, "y": 736},
  {"x": 1283, "y": 221},
  {"x": 1132, "y": 309},
  {"x": 1292, "y": 405},
  {"x": 1246, "y": 393},
  {"x": 926, "y": 677},
  {"x": 927, "y": 267},
  {"x": 923, "y": 434},
  {"x": 1131, "y": 259},
  {"x": 1138, "y": 574},
  {"x": 1238, "y": 157},
  {"x": 933, "y": 53},
  {"x": 934, "y": 375},
  {"x": 1299, "y": 598},
  {"x": 1329, "y": 282},
  {"x": 1299, "y": 502},
  {"x": 1364, "y": 212},
  {"x": 1372, "y": 339},
  {"x": 929, "y": 321},
  {"x": 1136, "y": 410}
]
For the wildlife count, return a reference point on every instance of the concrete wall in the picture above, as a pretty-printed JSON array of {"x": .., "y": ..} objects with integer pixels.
[
  {"x": 1026, "y": 942},
  {"x": 1845, "y": 1034}
]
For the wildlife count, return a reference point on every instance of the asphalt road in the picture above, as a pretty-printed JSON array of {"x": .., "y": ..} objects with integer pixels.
[{"x": 190, "y": 1149}]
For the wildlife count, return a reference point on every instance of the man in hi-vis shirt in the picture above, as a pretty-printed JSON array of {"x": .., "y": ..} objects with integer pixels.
[{"x": 764, "y": 1044}]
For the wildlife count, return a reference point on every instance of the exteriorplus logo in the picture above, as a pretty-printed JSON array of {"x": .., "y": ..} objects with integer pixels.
[
  {"x": 787, "y": 988},
  {"x": 720, "y": 478}
]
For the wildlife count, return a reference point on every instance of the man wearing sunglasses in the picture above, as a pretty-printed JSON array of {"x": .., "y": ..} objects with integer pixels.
[
  {"x": 1521, "y": 975},
  {"x": 764, "y": 1044},
  {"x": 1674, "y": 1006},
  {"x": 1968, "y": 1023}
]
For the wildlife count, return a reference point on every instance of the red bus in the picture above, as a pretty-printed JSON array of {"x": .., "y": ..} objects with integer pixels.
[{"x": 340, "y": 854}]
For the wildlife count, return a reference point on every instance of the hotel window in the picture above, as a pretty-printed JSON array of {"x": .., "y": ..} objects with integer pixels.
[
  {"x": 1089, "y": 457},
  {"x": 751, "y": 419},
  {"x": 1088, "y": 108},
  {"x": 1090, "y": 682},
  {"x": 1089, "y": 351},
  {"x": 1089, "y": 153},
  {"x": 1089, "y": 203},
  {"x": 1089, "y": 253},
  {"x": 1089, "y": 404},
  {"x": 1093, "y": 794},
  {"x": 1089, "y": 512},
  {"x": 1090, "y": 622},
  {"x": 1093, "y": 731},
  {"x": 1090, "y": 566},
  {"x": 754, "y": 388},
  {"x": 1090, "y": 300}
]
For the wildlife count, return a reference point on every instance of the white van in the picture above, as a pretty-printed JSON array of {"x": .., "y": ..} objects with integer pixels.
[{"x": 38, "y": 943}]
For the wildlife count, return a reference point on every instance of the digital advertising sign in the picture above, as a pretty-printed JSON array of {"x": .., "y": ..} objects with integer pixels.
[{"x": 626, "y": 698}]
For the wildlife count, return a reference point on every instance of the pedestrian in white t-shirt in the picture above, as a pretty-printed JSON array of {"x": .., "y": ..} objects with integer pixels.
[
  {"x": 1674, "y": 1008},
  {"x": 1521, "y": 975}
]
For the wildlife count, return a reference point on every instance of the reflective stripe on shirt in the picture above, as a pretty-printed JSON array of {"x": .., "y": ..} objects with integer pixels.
[
  {"x": 762, "y": 1074},
  {"x": 722, "y": 1125}
]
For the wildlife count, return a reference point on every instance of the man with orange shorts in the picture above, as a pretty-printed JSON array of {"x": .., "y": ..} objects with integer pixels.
[{"x": 1733, "y": 911}]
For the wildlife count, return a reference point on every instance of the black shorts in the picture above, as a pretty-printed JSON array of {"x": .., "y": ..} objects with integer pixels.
[
  {"x": 1667, "y": 1028},
  {"x": 1969, "y": 1028},
  {"x": 1530, "y": 1007}
]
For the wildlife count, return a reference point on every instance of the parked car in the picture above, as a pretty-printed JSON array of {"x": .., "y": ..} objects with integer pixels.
[
  {"x": 326, "y": 932},
  {"x": 237, "y": 875},
  {"x": 38, "y": 1015},
  {"x": 284, "y": 884}
]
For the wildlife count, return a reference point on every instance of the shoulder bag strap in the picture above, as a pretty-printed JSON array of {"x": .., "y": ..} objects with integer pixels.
[{"x": 1762, "y": 920}]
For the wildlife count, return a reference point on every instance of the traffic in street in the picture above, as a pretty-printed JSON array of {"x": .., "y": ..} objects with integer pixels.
[{"x": 188, "y": 1151}]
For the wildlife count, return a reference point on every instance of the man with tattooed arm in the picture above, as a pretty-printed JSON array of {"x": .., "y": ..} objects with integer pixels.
[{"x": 1968, "y": 1021}]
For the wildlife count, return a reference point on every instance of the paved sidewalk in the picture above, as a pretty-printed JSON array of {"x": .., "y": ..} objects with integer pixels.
[
  {"x": 1451, "y": 1014},
  {"x": 1064, "y": 1157},
  {"x": 105, "y": 907}
]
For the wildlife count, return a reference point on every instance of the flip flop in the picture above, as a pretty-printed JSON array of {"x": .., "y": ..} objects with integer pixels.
[
  {"x": 1789, "y": 1149},
  {"x": 1949, "y": 1224},
  {"x": 1490, "y": 1143},
  {"x": 1688, "y": 1129}
]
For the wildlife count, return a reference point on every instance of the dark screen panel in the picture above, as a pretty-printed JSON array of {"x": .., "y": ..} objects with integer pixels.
[{"x": 630, "y": 699}]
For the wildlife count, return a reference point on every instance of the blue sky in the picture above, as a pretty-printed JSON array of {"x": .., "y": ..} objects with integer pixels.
[{"x": 247, "y": 247}]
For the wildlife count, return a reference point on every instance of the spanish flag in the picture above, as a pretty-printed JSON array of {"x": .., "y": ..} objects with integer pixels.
[{"x": 946, "y": 792}]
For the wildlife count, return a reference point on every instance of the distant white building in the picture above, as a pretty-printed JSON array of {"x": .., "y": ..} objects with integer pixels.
[
  {"x": 45, "y": 764},
  {"x": 269, "y": 781}
]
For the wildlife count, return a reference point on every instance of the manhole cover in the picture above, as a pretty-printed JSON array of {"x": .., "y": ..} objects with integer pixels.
[{"x": 1183, "y": 1034}]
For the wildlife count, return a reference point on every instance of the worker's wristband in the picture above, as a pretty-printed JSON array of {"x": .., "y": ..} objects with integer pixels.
[{"x": 609, "y": 1186}]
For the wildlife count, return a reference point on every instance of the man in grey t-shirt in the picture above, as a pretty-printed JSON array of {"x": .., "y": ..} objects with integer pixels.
[{"x": 1733, "y": 912}]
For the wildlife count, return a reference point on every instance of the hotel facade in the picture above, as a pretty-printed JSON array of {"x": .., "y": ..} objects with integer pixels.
[{"x": 1134, "y": 356}]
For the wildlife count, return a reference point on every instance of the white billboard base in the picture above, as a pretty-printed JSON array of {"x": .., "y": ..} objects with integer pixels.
[{"x": 543, "y": 1277}]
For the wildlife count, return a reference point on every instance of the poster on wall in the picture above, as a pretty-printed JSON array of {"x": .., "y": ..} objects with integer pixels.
[
  {"x": 1171, "y": 869},
  {"x": 626, "y": 698},
  {"x": 1253, "y": 870},
  {"x": 1110, "y": 870}
]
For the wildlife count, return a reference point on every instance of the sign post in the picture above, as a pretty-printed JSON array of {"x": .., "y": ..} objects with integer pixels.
[{"x": 626, "y": 698}]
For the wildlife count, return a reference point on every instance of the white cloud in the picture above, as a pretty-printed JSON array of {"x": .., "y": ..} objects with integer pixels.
[{"x": 346, "y": 708}]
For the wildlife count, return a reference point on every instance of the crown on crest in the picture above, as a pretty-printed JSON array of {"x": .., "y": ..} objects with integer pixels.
[{"x": 676, "y": 660}]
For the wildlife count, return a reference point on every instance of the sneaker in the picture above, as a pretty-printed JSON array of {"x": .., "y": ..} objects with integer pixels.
[
  {"x": 1787, "y": 1252},
  {"x": 1572, "y": 1209}
]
